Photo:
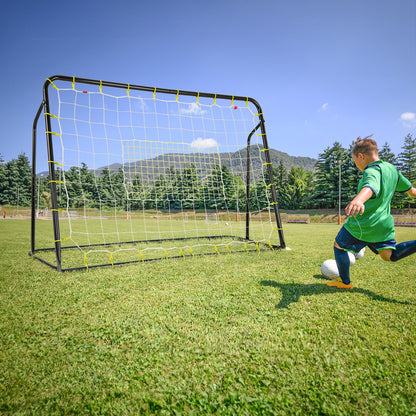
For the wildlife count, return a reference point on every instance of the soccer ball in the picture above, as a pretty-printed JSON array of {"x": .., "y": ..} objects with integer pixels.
[
  {"x": 352, "y": 257},
  {"x": 360, "y": 254},
  {"x": 329, "y": 269}
]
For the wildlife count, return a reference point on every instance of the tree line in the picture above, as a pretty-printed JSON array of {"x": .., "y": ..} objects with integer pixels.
[{"x": 334, "y": 175}]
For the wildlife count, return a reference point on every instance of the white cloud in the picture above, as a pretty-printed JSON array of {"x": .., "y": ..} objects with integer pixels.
[
  {"x": 193, "y": 109},
  {"x": 324, "y": 106},
  {"x": 204, "y": 143},
  {"x": 408, "y": 119}
]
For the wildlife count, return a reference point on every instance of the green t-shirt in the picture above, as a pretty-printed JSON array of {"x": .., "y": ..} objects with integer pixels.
[{"x": 377, "y": 224}]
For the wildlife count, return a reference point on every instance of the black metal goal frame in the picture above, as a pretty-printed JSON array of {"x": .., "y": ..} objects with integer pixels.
[{"x": 45, "y": 106}]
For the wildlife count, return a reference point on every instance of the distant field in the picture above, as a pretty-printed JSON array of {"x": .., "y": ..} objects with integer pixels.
[{"x": 230, "y": 334}]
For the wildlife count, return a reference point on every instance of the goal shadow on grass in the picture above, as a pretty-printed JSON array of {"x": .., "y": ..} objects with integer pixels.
[{"x": 291, "y": 292}]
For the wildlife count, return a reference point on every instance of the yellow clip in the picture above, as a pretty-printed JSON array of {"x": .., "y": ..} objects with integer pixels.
[
  {"x": 154, "y": 94},
  {"x": 232, "y": 100},
  {"x": 166, "y": 253},
  {"x": 101, "y": 87},
  {"x": 177, "y": 95},
  {"x": 62, "y": 239},
  {"x": 270, "y": 244},
  {"x": 55, "y": 134},
  {"x": 73, "y": 83},
  {"x": 267, "y": 163},
  {"x": 141, "y": 255},
  {"x": 59, "y": 210},
  {"x": 271, "y": 184},
  {"x": 56, "y": 163},
  {"x": 111, "y": 259},
  {"x": 190, "y": 250},
  {"x": 197, "y": 98},
  {"x": 263, "y": 150},
  {"x": 228, "y": 248},
  {"x": 258, "y": 114},
  {"x": 85, "y": 260},
  {"x": 216, "y": 249},
  {"x": 247, "y": 102},
  {"x": 51, "y": 115},
  {"x": 180, "y": 249},
  {"x": 273, "y": 203},
  {"x": 128, "y": 90},
  {"x": 261, "y": 134},
  {"x": 257, "y": 246},
  {"x": 245, "y": 246},
  {"x": 215, "y": 99},
  {"x": 57, "y": 181}
]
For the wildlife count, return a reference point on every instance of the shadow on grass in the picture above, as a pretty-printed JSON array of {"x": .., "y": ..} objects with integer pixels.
[{"x": 291, "y": 292}]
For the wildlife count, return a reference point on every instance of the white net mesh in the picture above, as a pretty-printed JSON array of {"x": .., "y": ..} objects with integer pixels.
[{"x": 143, "y": 175}]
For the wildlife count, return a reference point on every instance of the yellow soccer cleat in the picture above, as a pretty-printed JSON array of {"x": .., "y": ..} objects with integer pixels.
[{"x": 338, "y": 283}]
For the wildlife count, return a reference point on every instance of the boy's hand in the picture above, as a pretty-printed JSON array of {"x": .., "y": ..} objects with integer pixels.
[{"x": 356, "y": 206}]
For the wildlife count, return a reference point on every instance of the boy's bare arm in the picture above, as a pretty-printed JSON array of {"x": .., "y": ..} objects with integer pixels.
[
  {"x": 412, "y": 192},
  {"x": 356, "y": 206}
]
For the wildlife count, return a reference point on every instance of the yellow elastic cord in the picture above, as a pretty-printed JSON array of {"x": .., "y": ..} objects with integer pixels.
[
  {"x": 59, "y": 210},
  {"x": 247, "y": 102},
  {"x": 257, "y": 246},
  {"x": 51, "y": 115},
  {"x": 245, "y": 246},
  {"x": 55, "y": 134},
  {"x": 177, "y": 95},
  {"x": 141, "y": 255},
  {"x": 228, "y": 248},
  {"x": 128, "y": 90},
  {"x": 258, "y": 114},
  {"x": 154, "y": 94},
  {"x": 62, "y": 239},
  {"x": 180, "y": 250},
  {"x": 215, "y": 99},
  {"x": 216, "y": 249},
  {"x": 73, "y": 83},
  {"x": 261, "y": 134},
  {"x": 56, "y": 163},
  {"x": 273, "y": 203},
  {"x": 190, "y": 250},
  {"x": 197, "y": 98},
  {"x": 270, "y": 184},
  {"x": 111, "y": 260},
  {"x": 270, "y": 244},
  {"x": 57, "y": 181},
  {"x": 266, "y": 163},
  {"x": 101, "y": 87},
  {"x": 263, "y": 150},
  {"x": 53, "y": 85},
  {"x": 166, "y": 253},
  {"x": 232, "y": 100}
]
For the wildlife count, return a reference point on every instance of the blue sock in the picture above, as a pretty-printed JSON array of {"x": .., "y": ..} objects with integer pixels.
[
  {"x": 403, "y": 250},
  {"x": 343, "y": 263}
]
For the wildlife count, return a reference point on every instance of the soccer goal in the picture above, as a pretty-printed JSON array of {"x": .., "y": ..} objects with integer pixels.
[{"x": 143, "y": 173}]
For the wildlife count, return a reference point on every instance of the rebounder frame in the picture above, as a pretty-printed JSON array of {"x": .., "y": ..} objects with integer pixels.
[{"x": 34, "y": 252}]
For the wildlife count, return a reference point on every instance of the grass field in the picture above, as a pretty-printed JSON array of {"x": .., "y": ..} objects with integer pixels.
[{"x": 240, "y": 334}]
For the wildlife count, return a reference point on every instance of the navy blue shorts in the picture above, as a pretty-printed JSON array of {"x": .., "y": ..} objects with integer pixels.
[{"x": 348, "y": 242}]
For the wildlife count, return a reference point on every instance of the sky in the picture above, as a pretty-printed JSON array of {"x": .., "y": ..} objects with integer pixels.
[{"x": 322, "y": 70}]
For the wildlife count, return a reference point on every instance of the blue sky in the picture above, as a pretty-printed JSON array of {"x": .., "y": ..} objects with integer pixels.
[{"x": 323, "y": 71}]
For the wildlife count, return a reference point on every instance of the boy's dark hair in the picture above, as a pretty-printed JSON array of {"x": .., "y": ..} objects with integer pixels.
[{"x": 366, "y": 146}]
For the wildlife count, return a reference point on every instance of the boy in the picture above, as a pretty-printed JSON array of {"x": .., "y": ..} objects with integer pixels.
[{"x": 370, "y": 222}]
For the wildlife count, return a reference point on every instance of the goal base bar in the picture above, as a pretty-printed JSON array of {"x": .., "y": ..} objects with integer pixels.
[{"x": 259, "y": 246}]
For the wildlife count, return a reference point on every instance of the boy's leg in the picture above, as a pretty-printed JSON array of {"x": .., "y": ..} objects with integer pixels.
[
  {"x": 343, "y": 263},
  {"x": 403, "y": 250}
]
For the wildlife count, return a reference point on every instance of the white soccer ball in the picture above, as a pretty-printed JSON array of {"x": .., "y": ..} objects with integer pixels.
[
  {"x": 352, "y": 257},
  {"x": 226, "y": 223},
  {"x": 329, "y": 269},
  {"x": 360, "y": 254}
]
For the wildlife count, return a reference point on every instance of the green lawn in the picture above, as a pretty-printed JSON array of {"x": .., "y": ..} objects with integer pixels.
[{"x": 240, "y": 334}]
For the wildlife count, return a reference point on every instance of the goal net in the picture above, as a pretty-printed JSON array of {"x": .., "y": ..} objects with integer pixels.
[{"x": 142, "y": 173}]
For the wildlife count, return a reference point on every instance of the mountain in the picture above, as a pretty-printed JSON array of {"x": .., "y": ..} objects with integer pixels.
[{"x": 151, "y": 169}]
